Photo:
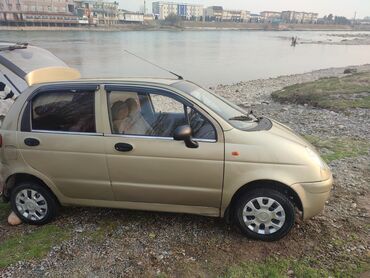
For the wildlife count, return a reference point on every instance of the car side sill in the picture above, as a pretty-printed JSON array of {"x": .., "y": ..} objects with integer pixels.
[{"x": 205, "y": 211}]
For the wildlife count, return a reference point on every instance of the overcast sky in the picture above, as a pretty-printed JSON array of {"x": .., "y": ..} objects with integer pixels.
[{"x": 338, "y": 7}]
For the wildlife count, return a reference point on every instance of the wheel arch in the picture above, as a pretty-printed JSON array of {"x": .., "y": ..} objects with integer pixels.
[
  {"x": 267, "y": 184},
  {"x": 17, "y": 178}
]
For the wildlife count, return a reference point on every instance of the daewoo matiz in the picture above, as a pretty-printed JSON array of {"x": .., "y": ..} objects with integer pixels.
[{"x": 148, "y": 144}]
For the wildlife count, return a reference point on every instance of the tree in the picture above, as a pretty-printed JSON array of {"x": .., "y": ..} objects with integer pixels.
[
  {"x": 341, "y": 20},
  {"x": 173, "y": 19}
]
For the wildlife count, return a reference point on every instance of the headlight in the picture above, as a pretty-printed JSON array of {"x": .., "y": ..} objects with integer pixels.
[{"x": 316, "y": 158}]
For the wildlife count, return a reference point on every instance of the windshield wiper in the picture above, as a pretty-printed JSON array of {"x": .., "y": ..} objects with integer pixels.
[
  {"x": 14, "y": 46},
  {"x": 245, "y": 117},
  {"x": 241, "y": 118}
]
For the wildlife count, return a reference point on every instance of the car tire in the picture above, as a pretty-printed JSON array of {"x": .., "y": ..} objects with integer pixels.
[
  {"x": 264, "y": 214},
  {"x": 33, "y": 203}
]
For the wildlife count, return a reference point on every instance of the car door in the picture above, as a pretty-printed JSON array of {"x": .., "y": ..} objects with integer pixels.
[
  {"x": 60, "y": 136},
  {"x": 146, "y": 164}
]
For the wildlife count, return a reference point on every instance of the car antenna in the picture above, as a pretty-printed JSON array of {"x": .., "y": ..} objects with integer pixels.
[{"x": 157, "y": 66}]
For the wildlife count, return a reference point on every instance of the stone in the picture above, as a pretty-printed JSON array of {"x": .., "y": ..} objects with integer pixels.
[
  {"x": 79, "y": 230},
  {"x": 13, "y": 219},
  {"x": 349, "y": 71}
]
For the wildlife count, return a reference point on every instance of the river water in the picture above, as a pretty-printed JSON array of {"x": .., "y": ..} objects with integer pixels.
[{"x": 206, "y": 57}]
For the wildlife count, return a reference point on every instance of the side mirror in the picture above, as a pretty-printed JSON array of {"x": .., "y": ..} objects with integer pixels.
[{"x": 184, "y": 133}]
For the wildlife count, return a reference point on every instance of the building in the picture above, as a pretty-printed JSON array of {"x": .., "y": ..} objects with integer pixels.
[
  {"x": 299, "y": 17},
  {"x": 149, "y": 17},
  {"x": 191, "y": 12},
  {"x": 162, "y": 10},
  {"x": 97, "y": 12},
  {"x": 130, "y": 17},
  {"x": 269, "y": 16},
  {"x": 10, "y": 10},
  {"x": 310, "y": 17},
  {"x": 235, "y": 16},
  {"x": 214, "y": 13},
  {"x": 38, "y": 12},
  {"x": 255, "y": 18}
]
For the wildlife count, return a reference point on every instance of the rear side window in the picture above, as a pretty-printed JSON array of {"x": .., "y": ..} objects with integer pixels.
[{"x": 64, "y": 110}]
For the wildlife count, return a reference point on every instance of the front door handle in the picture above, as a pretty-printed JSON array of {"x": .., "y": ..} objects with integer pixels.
[
  {"x": 32, "y": 142},
  {"x": 123, "y": 147}
]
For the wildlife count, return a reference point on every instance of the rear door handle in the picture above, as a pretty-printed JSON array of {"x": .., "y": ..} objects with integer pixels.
[
  {"x": 123, "y": 147},
  {"x": 32, "y": 142}
]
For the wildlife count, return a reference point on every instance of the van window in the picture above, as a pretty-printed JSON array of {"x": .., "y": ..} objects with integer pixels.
[{"x": 65, "y": 110}]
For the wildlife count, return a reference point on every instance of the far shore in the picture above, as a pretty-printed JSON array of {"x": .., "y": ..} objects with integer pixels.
[{"x": 194, "y": 26}]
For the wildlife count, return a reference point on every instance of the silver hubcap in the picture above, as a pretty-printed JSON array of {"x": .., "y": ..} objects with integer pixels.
[
  {"x": 31, "y": 204},
  {"x": 263, "y": 215}
]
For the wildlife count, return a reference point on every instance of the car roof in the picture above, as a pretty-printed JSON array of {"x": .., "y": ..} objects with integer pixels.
[
  {"x": 146, "y": 80},
  {"x": 162, "y": 81}
]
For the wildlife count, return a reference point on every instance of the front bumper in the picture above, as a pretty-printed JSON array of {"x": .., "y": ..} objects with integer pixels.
[{"x": 313, "y": 196}]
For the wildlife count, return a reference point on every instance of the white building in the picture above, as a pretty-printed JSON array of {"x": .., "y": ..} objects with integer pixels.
[
  {"x": 299, "y": 17},
  {"x": 130, "y": 17},
  {"x": 268, "y": 16},
  {"x": 218, "y": 13},
  {"x": 235, "y": 16},
  {"x": 162, "y": 10}
]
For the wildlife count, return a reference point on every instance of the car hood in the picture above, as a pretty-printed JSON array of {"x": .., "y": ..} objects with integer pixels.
[{"x": 287, "y": 133}]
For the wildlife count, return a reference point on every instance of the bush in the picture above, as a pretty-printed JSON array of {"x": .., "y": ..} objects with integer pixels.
[{"x": 173, "y": 20}]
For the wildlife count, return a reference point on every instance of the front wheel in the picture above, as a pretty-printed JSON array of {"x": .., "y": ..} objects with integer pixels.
[
  {"x": 33, "y": 203},
  {"x": 265, "y": 214}
]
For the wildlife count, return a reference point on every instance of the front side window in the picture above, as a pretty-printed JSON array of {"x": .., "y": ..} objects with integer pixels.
[
  {"x": 65, "y": 110},
  {"x": 152, "y": 114}
]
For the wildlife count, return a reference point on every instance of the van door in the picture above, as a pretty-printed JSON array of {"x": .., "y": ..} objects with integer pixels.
[
  {"x": 147, "y": 165},
  {"x": 61, "y": 137}
]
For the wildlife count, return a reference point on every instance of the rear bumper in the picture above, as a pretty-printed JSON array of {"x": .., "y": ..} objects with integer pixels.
[{"x": 313, "y": 196}]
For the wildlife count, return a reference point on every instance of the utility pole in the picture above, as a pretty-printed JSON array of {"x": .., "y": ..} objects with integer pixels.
[{"x": 144, "y": 7}]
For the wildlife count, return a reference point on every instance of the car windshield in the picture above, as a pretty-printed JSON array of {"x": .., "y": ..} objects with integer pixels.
[{"x": 230, "y": 112}]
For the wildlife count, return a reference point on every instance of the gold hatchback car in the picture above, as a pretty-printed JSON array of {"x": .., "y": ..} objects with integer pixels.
[{"x": 148, "y": 144}]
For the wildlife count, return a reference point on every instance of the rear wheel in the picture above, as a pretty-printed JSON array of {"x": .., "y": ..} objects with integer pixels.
[
  {"x": 33, "y": 203},
  {"x": 265, "y": 214}
]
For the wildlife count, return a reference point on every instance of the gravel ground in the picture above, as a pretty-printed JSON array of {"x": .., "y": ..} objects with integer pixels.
[{"x": 114, "y": 243}]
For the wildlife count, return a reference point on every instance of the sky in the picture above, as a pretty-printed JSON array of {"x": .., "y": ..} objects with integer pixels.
[{"x": 323, "y": 7}]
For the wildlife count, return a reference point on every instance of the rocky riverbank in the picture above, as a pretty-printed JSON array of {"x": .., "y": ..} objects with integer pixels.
[
  {"x": 111, "y": 243},
  {"x": 355, "y": 38}
]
